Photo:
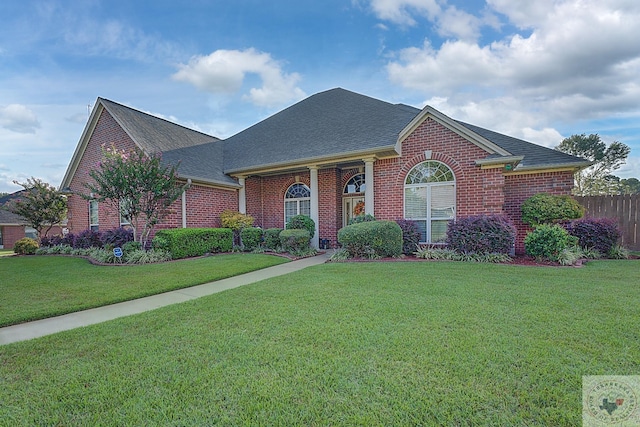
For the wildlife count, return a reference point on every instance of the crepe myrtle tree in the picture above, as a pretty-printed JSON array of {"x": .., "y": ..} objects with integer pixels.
[
  {"x": 137, "y": 184},
  {"x": 41, "y": 204}
]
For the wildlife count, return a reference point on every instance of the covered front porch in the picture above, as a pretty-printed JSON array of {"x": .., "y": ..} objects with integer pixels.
[{"x": 330, "y": 194}]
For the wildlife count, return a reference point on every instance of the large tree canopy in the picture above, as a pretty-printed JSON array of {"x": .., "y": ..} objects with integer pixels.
[
  {"x": 41, "y": 204},
  {"x": 596, "y": 179},
  {"x": 138, "y": 185}
]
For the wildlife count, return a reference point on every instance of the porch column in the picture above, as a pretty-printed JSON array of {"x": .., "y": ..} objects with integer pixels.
[
  {"x": 242, "y": 196},
  {"x": 368, "y": 190},
  {"x": 315, "y": 212}
]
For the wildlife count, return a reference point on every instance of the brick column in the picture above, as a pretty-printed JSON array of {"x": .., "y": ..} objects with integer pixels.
[{"x": 315, "y": 214}]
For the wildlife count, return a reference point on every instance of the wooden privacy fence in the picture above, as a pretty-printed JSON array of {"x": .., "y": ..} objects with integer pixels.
[{"x": 623, "y": 208}]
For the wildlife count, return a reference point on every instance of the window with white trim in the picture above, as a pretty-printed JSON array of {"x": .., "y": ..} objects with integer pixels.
[
  {"x": 297, "y": 201},
  {"x": 93, "y": 215},
  {"x": 430, "y": 199},
  {"x": 123, "y": 205}
]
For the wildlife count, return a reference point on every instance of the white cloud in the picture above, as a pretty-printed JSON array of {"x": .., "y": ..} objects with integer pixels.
[
  {"x": 448, "y": 21},
  {"x": 577, "y": 60},
  {"x": 224, "y": 71},
  {"x": 400, "y": 11},
  {"x": 18, "y": 118}
]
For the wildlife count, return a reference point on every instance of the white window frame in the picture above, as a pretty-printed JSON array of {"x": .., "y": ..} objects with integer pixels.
[
  {"x": 123, "y": 220},
  {"x": 292, "y": 198},
  {"x": 429, "y": 183},
  {"x": 93, "y": 205}
]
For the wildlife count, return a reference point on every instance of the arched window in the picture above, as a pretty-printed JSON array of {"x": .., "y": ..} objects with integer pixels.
[
  {"x": 355, "y": 184},
  {"x": 297, "y": 201},
  {"x": 430, "y": 199}
]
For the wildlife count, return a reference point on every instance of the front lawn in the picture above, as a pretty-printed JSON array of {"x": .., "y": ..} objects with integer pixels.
[
  {"x": 36, "y": 287},
  {"x": 372, "y": 344}
]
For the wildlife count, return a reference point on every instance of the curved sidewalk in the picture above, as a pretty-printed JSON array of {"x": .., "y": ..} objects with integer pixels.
[{"x": 40, "y": 328}]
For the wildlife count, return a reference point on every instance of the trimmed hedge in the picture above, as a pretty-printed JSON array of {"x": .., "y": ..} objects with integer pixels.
[
  {"x": 295, "y": 240},
  {"x": 302, "y": 222},
  {"x": 272, "y": 238},
  {"x": 361, "y": 218},
  {"x": 543, "y": 208},
  {"x": 251, "y": 238},
  {"x": 190, "y": 242},
  {"x": 481, "y": 234},
  {"x": 599, "y": 234},
  {"x": 372, "y": 238}
]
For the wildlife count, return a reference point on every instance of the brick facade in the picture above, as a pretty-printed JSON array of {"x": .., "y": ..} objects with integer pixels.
[
  {"x": 478, "y": 190},
  {"x": 204, "y": 203}
]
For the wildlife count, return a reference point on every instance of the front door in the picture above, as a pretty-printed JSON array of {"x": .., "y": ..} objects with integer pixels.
[{"x": 350, "y": 208}]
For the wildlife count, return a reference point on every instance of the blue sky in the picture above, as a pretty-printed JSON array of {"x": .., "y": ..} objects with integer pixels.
[{"x": 540, "y": 70}]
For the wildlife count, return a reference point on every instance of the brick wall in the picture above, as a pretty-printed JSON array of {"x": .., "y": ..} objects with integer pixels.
[
  {"x": 11, "y": 234},
  {"x": 477, "y": 190},
  {"x": 204, "y": 204}
]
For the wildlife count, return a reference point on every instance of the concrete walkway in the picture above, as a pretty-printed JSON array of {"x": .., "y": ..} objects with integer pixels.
[{"x": 40, "y": 328}]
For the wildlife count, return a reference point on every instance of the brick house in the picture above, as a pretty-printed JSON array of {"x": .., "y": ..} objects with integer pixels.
[
  {"x": 330, "y": 156},
  {"x": 14, "y": 227}
]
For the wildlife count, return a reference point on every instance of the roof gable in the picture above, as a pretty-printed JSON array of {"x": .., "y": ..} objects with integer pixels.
[{"x": 150, "y": 133}]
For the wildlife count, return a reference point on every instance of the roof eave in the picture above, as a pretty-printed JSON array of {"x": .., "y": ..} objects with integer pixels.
[
  {"x": 199, "y": 180},
  {"x": 575, "y": 166},
  {"x": 378, "y": 153}
]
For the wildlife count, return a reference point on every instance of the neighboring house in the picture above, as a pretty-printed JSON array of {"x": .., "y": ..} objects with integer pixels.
[
  {"x": 12, "y": 227},
  {"x": 325, "y": 157}
]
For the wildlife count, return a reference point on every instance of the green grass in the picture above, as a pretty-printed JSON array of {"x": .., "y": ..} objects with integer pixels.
[
  {"x": 370, "y": 344},
  {"x": 6, "y": 252},
  {"x": 37, "y": 287}
]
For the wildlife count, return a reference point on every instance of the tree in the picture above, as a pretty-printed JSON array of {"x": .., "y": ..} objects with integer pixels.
[
  {"x": 136, "y": 184},
  {"x": 630, "y": 186},
  {"x": 40, "y": 204},
  {"x": 595, "y": 179}
]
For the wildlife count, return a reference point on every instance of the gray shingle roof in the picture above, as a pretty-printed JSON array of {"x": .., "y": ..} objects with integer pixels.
[
  {"x": 201, "y": 162},
  {"x": 198, "y": 155},
  {"x": 328, "y": 123},
  {"x": 535, "y": 156},
  {"x": 9, "y": 218},
  {"x": 152, "y": 133},
  {"x": 338, "y": 122}
]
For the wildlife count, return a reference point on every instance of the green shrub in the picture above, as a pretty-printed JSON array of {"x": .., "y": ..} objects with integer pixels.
[
  {"x": 618, "y": 252},
  {"x": 295, "y": 240},
  {"x": 302, "y": 222},
  {"x": 548, "y": 241},
  {"x": 25, "y": 246},
  {"x": 570, "y": 255},
  {"x": 272, "y": 238},
  {"x": 544, "y": 208},
  {"x": 160, "y": 243},
  {"x": 131, "y": 246},
  {"x": 375, "y": 238},
  {"x": 361, "y": 218},
  {"x": 190, "y": 242},
  {"x": 251, "y": 238}
]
